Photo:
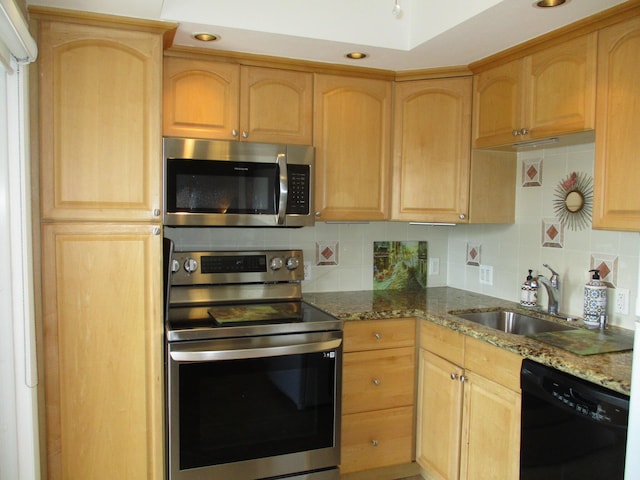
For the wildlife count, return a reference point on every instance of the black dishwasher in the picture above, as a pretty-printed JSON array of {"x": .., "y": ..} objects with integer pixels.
[{"x": 571, "y": 429}]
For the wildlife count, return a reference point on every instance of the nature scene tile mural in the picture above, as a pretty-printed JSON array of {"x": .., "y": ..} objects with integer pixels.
[{"x": 399, "y": 265}]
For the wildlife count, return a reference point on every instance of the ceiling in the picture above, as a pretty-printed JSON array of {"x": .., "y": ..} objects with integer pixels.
[{"x": 426, "y": 34}]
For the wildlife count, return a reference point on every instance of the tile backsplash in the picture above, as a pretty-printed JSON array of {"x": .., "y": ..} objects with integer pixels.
[
  {"x": 514, "y": 249},
  {"x": 509, "y": 250}
]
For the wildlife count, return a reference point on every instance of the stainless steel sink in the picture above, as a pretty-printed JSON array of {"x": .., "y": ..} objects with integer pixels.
[{"x": 512, "y": 322}]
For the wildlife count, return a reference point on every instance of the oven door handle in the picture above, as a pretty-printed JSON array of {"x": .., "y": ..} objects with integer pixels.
[{"x": 191, "y": 356}]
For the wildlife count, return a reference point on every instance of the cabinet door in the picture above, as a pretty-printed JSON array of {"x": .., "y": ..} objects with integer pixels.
[
  {"x": 439, "y": 416},
  {"x": 276, "y": 106},
  {"x": 100, "y": 101},
  {"x": 497, "y": 105},
  {"x": 103, "y": 338},
  {"x": 616, "y": 203},
  {"x": 561, "y": 88},
  {"x": 490, "y": 430},
  {"x": 432, "y": 150},
  {"x": 200, "y": 99},
  {"x": 352, "y": 134}
]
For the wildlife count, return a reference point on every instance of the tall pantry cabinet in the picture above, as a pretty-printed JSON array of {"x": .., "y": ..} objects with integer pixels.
[{"x": 99, "y": 115}]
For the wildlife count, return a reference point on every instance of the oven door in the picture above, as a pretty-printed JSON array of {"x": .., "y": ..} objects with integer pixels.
[{"x": 253, "y": 408}]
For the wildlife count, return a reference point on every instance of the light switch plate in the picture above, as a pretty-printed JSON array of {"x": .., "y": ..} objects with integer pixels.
[{"x": 486, "y": 274}]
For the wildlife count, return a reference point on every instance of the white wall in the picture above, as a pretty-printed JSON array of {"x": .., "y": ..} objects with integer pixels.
[{"x": 513, "y": 249}]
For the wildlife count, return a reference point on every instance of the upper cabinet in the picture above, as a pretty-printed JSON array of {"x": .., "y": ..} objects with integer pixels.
[
  {"x": 551, "y": 92},
  {"x": 352, "y": 128},
  {"x": 205, "y": 99},
  {"x": 431, "y": 157},
  {"x": 617, "y": 170},
  {"x": 100, "y": 99}
]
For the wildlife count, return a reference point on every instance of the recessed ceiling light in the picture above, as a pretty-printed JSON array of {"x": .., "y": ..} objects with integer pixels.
[
  {"x": 356, "y": 55},
  {"x": 549, "y": 3},
  {"x": 206, "y": 37}
]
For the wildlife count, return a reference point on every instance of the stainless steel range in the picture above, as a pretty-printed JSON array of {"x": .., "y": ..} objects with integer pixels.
[{"x": 253, "y": 372}]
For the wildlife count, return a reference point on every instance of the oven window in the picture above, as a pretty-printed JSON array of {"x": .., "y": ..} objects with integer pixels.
[
  {"x": 237, "y": 410},
  {"x": 201, "y": 186}
]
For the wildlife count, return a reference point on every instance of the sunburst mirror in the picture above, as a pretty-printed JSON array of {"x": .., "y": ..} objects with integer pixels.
[{"x": 573, "y": 200}]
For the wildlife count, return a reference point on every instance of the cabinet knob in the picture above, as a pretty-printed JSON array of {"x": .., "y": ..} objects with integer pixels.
[
  {"x": 515, "y": 133},
  {"x": 377, "y": 335},
  {"x": 374, "y": 443},
  {"x": 463, "y": 378},
  {"x": 234, "y": 132},
  {"x": 156, "y": 230},
  {"x": 245, "y": 134},
  {"x": 524, "y": 131},
  {"x": 462, "y": 216},
  {"x": 318, "y": 214},
  {"x": 454, "y": 376},
  {"x": 156, "y": 212},
  {"x": 376, "y": 381}
]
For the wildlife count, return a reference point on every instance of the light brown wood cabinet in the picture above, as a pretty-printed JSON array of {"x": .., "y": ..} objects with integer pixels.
[
  {"x": 378, "y": 394},
  {"x": 431, "y": 158},
  {"x": 99, "y": 109},
  {"x": 616, "y": 203},
  {"x": 352, "y": 136},
  {"x": 551, "y": 92},
  {"x": 207, "y": 99},
  {"x": 99, "y": 88},
  {"x": 103, "y": 337},
  {"x": 468, "y": 391}
]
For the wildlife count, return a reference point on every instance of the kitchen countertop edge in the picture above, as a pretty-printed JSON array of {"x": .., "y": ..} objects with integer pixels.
[{"x": 611, "y": 370}]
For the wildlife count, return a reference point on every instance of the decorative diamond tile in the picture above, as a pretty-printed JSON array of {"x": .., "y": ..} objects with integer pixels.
[
  {"x": 608, "y": 266},
  {"x": 552, "y": 233},
  {"x": 327, "y": 253},
  {"x": 473, "y": 254},
  {"x": 532, "y": 172}
]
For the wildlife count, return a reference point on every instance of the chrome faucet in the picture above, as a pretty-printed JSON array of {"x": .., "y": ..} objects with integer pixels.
[{"x": 552, "y": 285}]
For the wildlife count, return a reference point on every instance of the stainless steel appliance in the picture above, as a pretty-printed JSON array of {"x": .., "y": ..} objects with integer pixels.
[
  {"x": 227, "y": 183},
  {"x": 253, "y": 372},
  {"x": 570, "y": 428}
]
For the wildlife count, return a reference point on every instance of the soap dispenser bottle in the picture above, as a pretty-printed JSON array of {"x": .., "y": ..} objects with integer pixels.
[
  {"x": 595, "y": 300},
  {"x": 529, "y": 291}
]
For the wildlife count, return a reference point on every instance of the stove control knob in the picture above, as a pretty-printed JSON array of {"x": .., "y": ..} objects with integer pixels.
[
  {"x": 276, "y": 263},
  {"x": 190, "y": 265},
  {"x": 175, "y": 265},
  {"x": 292, "y": 263}
]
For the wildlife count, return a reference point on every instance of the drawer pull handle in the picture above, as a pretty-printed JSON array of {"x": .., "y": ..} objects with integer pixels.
[
  {"x": 377, "y": 335},
  {"x": 374, "y": 443},
  {"x": 376, "y": 381}
]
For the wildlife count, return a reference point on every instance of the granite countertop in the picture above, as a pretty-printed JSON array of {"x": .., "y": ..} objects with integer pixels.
[{"x": 611, "y": 370}]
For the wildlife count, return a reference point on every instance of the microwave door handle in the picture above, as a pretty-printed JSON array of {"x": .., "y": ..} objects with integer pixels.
[
  {"x": 284, "y": 188},
  {"x": 231, "y": 354}
]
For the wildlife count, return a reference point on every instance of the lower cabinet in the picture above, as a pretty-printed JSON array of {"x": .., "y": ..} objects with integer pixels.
[
  {"x": 103, "y": 347},
  {"x": 378, "y": 394},
  {"x": 468, "y": 423}
]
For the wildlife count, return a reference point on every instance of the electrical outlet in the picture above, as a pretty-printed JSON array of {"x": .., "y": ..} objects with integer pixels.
[
  {"x": 621, "y": 301},
  {"x": 486, "y": 274},
  {"x": 307, "y": 270},
  {"x": 434, "y": 266}
]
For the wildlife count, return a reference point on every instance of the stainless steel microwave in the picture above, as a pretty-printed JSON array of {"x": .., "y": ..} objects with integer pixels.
[{"x": 235, "y": 184}]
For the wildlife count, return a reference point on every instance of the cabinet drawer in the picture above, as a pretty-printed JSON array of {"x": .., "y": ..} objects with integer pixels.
[
  {"x": 378, "y": 379},
  {"x": 376, "y": 334},
  {"x": 442, "y": 341},
  {"x": 377, "y": 439},
  {"x": 494, "y": 363}
]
